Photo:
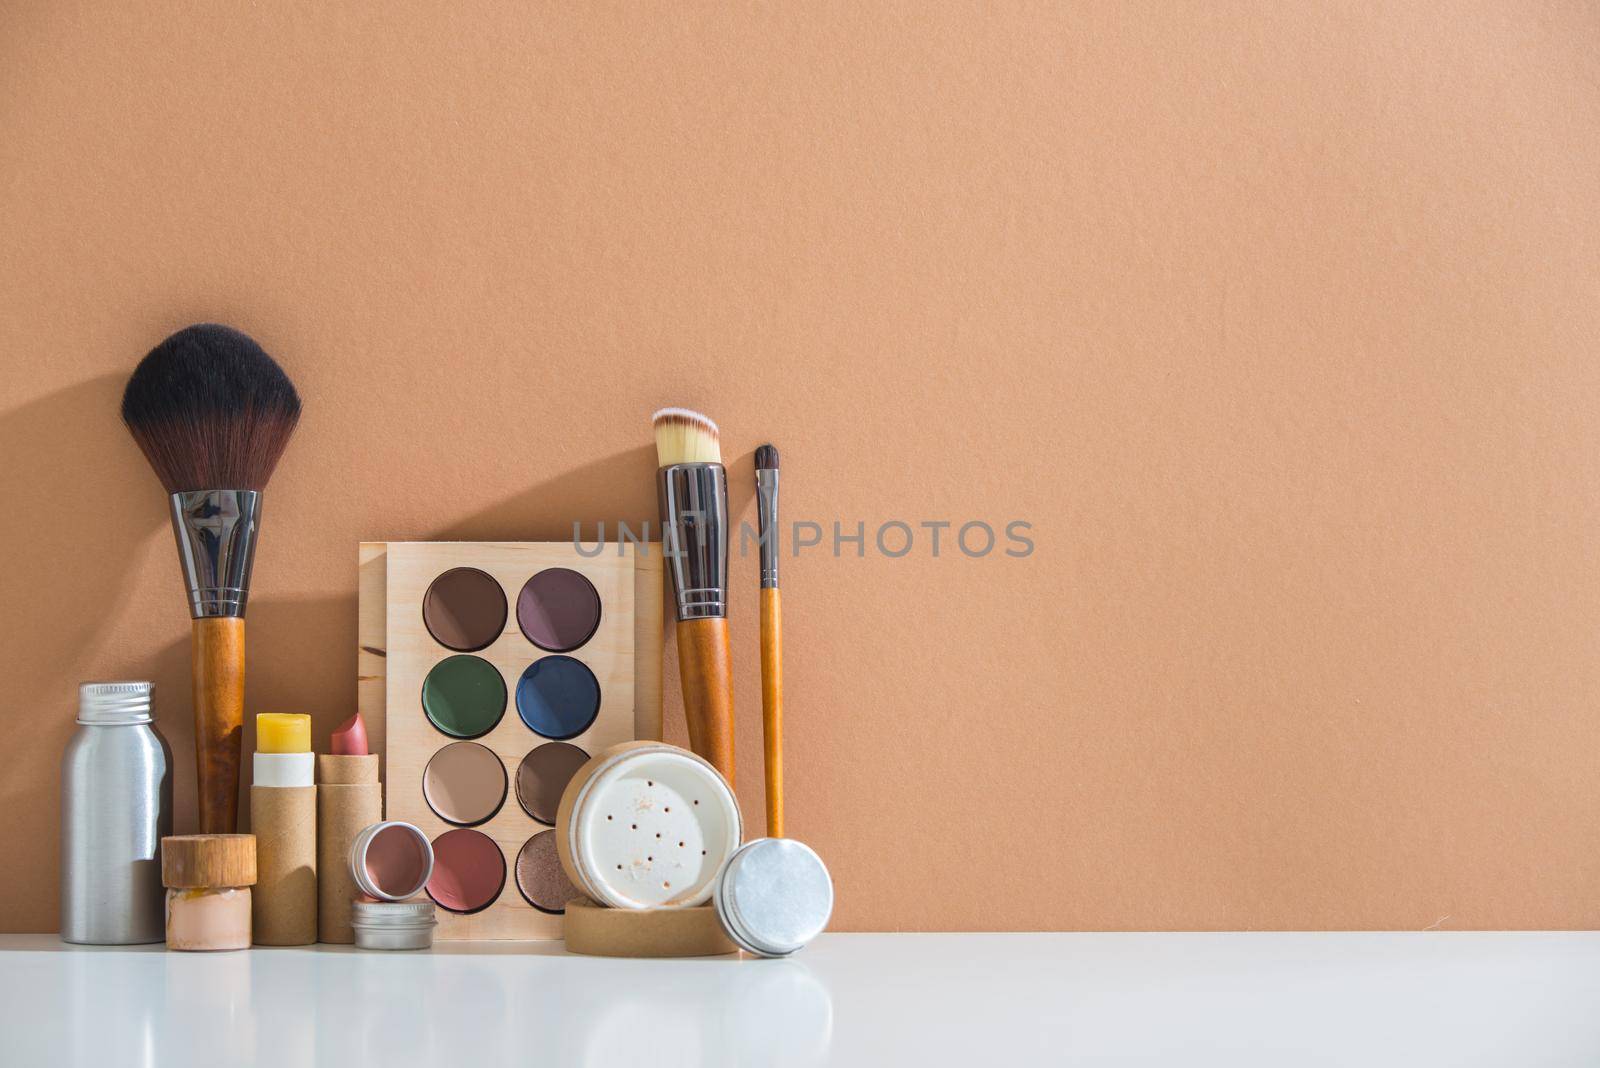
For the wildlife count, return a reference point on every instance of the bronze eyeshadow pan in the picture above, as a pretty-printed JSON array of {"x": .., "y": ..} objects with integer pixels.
[{"x": 540, "y": 877}]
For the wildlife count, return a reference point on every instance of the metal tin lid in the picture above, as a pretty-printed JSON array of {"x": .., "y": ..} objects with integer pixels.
[
  {"x": 393, "y": 913},
  {"x": 411, "y": 876},
  {"x": 112, "y": 703},
  {"x": 774, "y": 897}
]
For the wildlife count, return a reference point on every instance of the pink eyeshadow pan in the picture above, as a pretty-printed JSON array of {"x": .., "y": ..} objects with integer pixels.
[{"x": 469, "y": 871}]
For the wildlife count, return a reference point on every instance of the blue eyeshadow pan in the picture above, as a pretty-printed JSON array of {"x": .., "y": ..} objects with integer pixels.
[{"x": 558, "y": 697}]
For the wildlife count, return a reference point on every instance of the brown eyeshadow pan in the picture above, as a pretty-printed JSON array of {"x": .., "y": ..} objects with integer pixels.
[
  {"x": 464, "y": 609},
  {"x": 540, "y": 876},
  {"x": 544, "y": 774},
  {"x": 558, "y": 609}
]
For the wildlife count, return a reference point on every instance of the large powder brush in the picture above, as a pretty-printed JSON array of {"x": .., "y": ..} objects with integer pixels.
[{"x": 213, "y": 413}]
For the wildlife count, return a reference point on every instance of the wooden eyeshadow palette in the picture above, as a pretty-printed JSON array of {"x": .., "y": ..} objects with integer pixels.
[{"x": 493, "y": 671}]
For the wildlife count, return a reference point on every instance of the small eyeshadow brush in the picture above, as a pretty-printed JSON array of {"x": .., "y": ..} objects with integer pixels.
[
  {"x": 771, "y": 636},
  {"x": 213, "y": 413},
  {"x": 693, "y": 488}
]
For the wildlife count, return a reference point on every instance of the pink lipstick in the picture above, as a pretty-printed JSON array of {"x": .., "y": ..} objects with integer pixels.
[{"x": 350, "y": 738}]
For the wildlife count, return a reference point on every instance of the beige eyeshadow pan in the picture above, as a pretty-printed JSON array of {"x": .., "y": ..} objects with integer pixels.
[{"x": 464, "y": 783}]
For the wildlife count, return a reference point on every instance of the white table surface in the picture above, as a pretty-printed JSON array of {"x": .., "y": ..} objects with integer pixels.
[{"x": 1413, "y": 999}]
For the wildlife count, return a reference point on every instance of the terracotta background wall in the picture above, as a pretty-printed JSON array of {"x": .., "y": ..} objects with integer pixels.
[{"x": 1278, "y": 322}]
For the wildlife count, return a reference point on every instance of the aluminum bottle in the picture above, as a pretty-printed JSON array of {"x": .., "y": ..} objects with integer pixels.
[{"x": 116, "y": 804}]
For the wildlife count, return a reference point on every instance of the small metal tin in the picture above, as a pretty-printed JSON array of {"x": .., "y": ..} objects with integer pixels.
[
  {"x": 775, "y": 895},
  {"x": 393, "y": 924}
]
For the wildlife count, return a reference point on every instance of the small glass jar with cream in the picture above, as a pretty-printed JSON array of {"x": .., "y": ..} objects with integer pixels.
[{"x": 208, "y": 879}]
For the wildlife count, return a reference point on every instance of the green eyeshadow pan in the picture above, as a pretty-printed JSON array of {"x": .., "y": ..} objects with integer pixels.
[{"x": 464, "y": 696}]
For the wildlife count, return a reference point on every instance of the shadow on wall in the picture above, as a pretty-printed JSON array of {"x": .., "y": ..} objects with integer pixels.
[
  {"x": 586, "y": 495},
  {"x": 93, "y": 527}
]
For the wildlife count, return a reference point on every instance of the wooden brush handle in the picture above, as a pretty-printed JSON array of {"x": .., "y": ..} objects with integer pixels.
[
  {"x": 706, "y": 671},
  {"x": 217, "y": 667},
  {"x": 772, "y": 707}
]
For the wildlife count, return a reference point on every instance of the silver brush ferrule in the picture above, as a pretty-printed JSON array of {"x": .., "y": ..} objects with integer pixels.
[
  {"x": 694, "y": 535},
  {"x": 216, "y": 531},
  {"x": 767, "y": 525}
]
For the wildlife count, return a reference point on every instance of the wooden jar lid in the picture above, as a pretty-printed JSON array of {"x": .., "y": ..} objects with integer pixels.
[{"x": 207, "y": 861}]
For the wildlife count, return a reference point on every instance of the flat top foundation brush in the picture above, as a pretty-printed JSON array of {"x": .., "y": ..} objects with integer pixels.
[
  {"x": 213, "y": 413},
  {"x": 693, "y": 489}
]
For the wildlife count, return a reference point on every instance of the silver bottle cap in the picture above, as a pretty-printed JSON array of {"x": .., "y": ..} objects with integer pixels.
[
  {"x": 104, "y": 703},
  {"x": 774, "y": 897}
]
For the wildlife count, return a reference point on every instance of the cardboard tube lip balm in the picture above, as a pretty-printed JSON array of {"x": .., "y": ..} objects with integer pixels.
[
  {"x": 283, "y": 815},
  {"x": 284, "y": 819},
  {"x": 283, "y": 732},
  {"x": 284, "y": 769}
]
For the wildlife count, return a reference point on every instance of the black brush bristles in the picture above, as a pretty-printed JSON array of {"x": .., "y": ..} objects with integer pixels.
[
  {"x": 210, "y": 410},
  {"x": 767, "y": 458}
]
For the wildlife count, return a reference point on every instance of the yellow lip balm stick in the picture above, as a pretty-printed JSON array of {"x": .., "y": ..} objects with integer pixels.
[{"x": 283, "y": 817}]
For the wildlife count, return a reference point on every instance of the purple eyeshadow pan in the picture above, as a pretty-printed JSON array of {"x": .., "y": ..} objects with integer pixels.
[{"x": 558, "y": 609}]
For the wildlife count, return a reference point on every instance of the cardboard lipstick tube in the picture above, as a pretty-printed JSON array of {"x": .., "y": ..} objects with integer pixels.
[
  {"x": 283, "y": 817},
  {"x": 349, "y": 799}
]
